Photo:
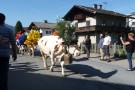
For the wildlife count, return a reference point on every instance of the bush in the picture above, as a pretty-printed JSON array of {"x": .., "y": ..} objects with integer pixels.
[{"x": 120, "y": 54}]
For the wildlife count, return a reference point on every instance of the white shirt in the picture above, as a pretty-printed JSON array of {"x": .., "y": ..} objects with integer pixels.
[{"x": 107, "y": 40}]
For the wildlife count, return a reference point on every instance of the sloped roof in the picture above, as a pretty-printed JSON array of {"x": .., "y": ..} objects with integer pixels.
[
  {"x": 25, "y": 28},
  {"x": 45, "y": 25},
  {"x": 133, "y": 13},
  {"x": 103, "y": 11},
  {"x": 94, "y": 11}
]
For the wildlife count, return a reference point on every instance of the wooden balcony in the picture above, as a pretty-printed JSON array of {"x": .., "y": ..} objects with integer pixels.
[{"x": 102, "y": 29}]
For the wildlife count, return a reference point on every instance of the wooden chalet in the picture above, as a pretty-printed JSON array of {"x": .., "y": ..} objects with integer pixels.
[{"x": 94, "y": 21}]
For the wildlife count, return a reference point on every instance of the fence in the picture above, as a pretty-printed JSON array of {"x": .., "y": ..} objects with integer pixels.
[{"x": 115, "y": 50}]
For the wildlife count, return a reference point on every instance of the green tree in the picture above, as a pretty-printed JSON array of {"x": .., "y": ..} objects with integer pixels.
[
  {"x": 18, "y": 27},
  {"x": 65, "y": 30}
]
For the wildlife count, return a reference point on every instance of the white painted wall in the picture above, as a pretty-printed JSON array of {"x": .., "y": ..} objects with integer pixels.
[
  {"x": 83, "y": 24},
  {"x": 44, "y": 32},
  {"x": 92, "y": 20},
  {"x": 82, "y": 38},
  {"x": 93, "y": 39},
  {"x": 131, "y": 21},
  {"x": 73, "y": 23}
]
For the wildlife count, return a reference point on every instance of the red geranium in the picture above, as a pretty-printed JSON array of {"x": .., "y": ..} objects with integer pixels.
[{"x": 18, "y": 34}]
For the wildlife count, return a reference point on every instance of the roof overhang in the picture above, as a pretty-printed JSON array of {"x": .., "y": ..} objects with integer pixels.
[
  {"x": 77, "y": 10},
  {"x": 130, "y": 17}
]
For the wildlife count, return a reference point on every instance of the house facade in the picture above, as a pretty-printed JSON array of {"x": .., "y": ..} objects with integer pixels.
[
  {"x": 93, "y": 21},
  {"x": 45, "y": 28},
  {"x": 131, "y": 21}
]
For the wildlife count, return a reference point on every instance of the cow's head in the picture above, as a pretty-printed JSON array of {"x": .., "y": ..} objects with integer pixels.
[{"x": 74, "y": 50}]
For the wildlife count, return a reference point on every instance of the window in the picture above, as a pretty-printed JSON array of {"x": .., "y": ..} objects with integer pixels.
[
  {"x": 48, "y": 32},
  {"x": 103, "y": 23},
  {"x": 133, "y": 23},
  {"x": 76, "y": 24},
  {"x": 87, "y": 23},
  {"x": 114, "y": 23},
  {"x": 81, "y": 20},
  {"x": 133, "y": 28}
]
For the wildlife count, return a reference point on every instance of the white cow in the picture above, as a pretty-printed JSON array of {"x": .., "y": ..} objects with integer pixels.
[
  {"x": 52, "y": 47},
  {"x": 31, "y": 49}
]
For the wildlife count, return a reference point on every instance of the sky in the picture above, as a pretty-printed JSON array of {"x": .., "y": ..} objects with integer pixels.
[{"x": 28, "y": 11}]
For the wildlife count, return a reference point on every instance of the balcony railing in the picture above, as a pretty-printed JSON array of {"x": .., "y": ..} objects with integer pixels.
[{"x": 102, "y": 28}]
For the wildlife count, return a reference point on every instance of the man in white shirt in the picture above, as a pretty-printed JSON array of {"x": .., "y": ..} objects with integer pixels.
[{"x": 106, "y": 44}]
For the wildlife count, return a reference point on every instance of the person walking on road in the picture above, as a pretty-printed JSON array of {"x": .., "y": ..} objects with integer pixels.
[
  {"x": 7, "y": 38},
  {"x": 130, "y": 45},
  {"x": 87, "y": 45},
  {"x": 100, "y": 46},
  {"x": 106, "y": 44},
  {"x": 83, "y": 45}
]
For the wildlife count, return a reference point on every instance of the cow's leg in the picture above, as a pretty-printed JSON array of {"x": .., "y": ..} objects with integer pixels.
[
  {"x": 44, "y": 59},
  {"x": 32, "y": 52},
  {"x": 62, "y": 66},
  {"x": 52, "y": 62},
  {"x": 22, "y": 50},
  {"x": 45, "y": 62},
  {"x": 55, "y": 60},
  {"x": 18, "y": 49},
  {"x": 33, "y": 49},
  {"x": 29, "y": 51}
]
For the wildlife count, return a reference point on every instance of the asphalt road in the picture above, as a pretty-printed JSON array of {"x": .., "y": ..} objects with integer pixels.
[{"x": 27, "y": 73}]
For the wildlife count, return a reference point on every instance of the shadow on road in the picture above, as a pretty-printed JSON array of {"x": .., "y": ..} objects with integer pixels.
[
  {"x": 89, "y": 71},
  {"x": 80, "y": 59},
  {"x": 22, "y": 77},
  {"x": 117, "y": 59},
  {"x": 37, "y": 53},
  {"x": 27, "y": 66}
]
